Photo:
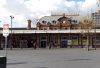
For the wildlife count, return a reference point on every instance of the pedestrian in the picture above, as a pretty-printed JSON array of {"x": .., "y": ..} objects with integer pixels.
[
  {"x": 34, "y": 45},
  {"x": 50, "y": 45}
]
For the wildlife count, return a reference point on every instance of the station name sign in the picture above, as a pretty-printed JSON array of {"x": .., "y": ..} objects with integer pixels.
[{"x": 66, "y": 13}]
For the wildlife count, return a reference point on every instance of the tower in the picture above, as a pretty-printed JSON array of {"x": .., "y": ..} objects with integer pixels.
[{"x": 29, "y": 24}]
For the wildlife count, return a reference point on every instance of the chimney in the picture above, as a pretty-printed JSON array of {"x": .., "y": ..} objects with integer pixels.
[
  {"x": 64, "y": 15},
  {"x": 29, "y": 24}
]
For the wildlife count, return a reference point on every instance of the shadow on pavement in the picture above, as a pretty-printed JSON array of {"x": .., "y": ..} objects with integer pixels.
[
  {"x": 16, "y": 63},
  {"x": 79, "y": 60}
]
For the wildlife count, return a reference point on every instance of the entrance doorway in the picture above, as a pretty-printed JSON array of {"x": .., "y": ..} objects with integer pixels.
[
  {"x": 64, "y": 41},
  {"x": 43, "y": 42},
  {"x": 64, "y": 44}
]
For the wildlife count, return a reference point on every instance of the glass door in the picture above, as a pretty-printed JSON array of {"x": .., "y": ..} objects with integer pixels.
[{"x": 64, "y": 41}]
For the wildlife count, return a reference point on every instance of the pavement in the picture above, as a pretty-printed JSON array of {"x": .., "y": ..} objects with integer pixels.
[{"x": 54, "y": 58}]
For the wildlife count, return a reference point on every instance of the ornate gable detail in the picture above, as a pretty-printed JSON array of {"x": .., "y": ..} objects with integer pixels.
[{"x": 65, "y": 21}]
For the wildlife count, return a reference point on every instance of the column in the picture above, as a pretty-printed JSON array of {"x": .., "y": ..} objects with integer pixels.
[
  {"x": 90, "y": 40},
  {"x": 48, "y": 40},
  {"x": 80, "y": 40},
  {"x": 38, "y": 40},
  {"x": 59, "y": 44}
]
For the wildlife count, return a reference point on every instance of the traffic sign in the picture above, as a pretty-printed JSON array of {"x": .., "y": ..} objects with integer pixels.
[{"x": 5, "y": 30}]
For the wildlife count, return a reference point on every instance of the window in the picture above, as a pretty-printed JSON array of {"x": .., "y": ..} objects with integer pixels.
[
  {"x": 54, "y": 22},
  {"x": 74, "y": 40},
  {"x": 64, "y": 37},
  {"x": 66, "y": 28},
  {"x": 74, "y": 21},
  {"x": 44, "y": 22},
  {"x": 43, "y": 38},
  {"x": 44, "y": 28},
  {"x": 64, "y": 21},
  {"x": 75, "y": 37},
  {"x": 96, "y": 41},
  {"x": 55, "y": 28}
]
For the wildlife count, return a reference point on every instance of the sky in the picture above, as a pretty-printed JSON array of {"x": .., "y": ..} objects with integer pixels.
[{"x": 22, "y": 10}]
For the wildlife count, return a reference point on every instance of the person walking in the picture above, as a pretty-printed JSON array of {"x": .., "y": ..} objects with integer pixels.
[
  {"x": 50, "y": 45},
  {"x": 34, "y": 45}
]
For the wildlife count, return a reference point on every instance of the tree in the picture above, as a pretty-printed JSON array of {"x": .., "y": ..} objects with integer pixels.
[{"x": 86, "y": 25}]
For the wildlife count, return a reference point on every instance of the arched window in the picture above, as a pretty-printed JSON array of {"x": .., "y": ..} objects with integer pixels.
[{"x": 64, "y": 21}]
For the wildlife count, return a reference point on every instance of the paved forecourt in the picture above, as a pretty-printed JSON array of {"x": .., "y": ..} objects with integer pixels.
[{"x": 54, "y": 58}]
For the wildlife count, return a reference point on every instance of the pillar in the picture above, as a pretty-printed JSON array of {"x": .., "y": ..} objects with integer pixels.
[
  {"x": 29, "y": 24},
  {"x": 90, "y": 40},
  {"x": 59, "y": 41},
  {"x": 48, "y": 39},
  {"x": 38, "y": 40}
]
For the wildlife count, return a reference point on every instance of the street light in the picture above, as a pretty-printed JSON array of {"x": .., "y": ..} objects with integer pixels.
[
  {"x": 94, "y": 20},
  {"x": 11, "y": 17}
]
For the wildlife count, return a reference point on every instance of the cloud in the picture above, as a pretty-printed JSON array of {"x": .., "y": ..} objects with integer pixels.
[
  {"x": 33, "y": 9},
  {"x": 89, "y": 6}
]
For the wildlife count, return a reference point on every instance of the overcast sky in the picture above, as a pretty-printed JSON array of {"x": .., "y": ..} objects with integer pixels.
[{"x": 35, "y": 9}]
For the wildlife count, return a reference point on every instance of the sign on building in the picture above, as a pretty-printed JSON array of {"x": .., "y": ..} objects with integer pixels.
[{"x": 5, "y": 30}]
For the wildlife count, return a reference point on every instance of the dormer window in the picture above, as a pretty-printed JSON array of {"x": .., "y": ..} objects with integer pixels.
[
  {"x": 75, "y": 21},
  {"x": 54, "y": 22},
  {"x": 48, "y": 23},
  {"x": 44, "y": 22},
  {"x": 70, "y": 20}
]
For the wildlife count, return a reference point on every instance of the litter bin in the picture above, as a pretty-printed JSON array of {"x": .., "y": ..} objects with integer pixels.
[{"x": 3, "y": 62}]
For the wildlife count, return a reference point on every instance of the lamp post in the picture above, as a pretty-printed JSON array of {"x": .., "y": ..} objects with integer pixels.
[
  {"x": 11, "y": 17},
  {"x": 94, "y": 19}
]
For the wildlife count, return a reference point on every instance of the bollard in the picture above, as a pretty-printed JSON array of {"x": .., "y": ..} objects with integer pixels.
[{"x": 3, "y": 62}]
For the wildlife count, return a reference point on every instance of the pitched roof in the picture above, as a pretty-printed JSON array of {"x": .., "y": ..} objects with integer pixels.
[{"x": 56, "y": 17}]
